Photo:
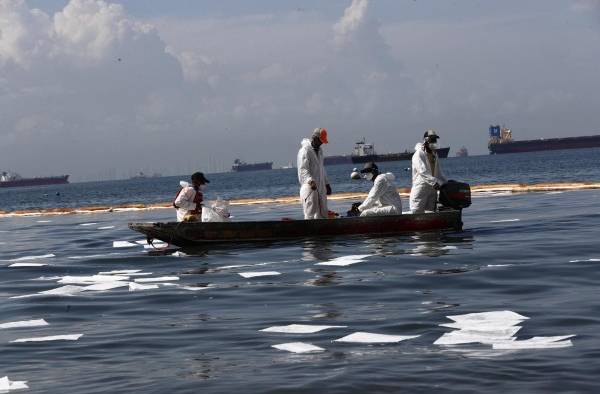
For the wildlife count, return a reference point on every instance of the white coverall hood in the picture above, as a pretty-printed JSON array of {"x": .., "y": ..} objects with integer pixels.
[
  {"x": 423, "y": 196},
  {"x": 383, "y": 198},
  {"x": 311, "y": 167}
]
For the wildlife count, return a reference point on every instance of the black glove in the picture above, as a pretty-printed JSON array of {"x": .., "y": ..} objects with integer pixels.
[{"x": 354, "y": 210}]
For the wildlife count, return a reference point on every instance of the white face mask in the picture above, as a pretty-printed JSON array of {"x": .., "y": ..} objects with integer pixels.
[
  {"x": 433, "y": 145},
  {"x": 369, "y": 176}
]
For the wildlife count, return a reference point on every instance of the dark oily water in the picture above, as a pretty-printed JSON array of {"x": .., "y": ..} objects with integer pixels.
[{"x": 527, "y": 253}]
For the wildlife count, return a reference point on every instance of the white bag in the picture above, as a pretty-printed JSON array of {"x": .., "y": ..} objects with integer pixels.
[{"x": 217, "y": 212}]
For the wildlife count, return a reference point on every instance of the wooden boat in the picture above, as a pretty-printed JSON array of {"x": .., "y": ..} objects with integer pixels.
[{"x": 197, "y": 233}]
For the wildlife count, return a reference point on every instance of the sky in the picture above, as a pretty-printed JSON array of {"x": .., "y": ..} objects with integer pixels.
[{"x": 105, "y": 89}]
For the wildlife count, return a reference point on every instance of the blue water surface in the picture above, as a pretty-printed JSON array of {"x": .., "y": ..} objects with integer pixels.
[{"x": 531, "y": 253}]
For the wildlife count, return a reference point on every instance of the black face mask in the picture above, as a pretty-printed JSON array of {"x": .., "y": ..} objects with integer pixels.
[{"x": 316, "y": 146}]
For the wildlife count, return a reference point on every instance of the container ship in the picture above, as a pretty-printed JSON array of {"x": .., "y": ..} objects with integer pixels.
[
  {"x": 501, "y": 141},
  {"x": 364, "y": 152},
  {"x": 15, "y": 180},
  {"x": 240, "y": 166}
]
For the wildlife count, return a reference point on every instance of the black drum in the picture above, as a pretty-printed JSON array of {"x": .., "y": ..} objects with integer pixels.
[{"x": 456, "y": 195}]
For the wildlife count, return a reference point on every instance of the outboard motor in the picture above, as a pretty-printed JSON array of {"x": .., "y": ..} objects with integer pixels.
[{"x": 455, "y": 195}]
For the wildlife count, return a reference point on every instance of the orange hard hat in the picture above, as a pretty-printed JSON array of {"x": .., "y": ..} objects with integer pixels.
[{"x": 323, "y": 136}]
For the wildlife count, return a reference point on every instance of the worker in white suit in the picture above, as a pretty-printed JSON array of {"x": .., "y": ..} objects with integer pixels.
[
  {"x": 427, "y": 175},
  {"x": 314, "y": 186},
  {"x": 383, "y": 198}
]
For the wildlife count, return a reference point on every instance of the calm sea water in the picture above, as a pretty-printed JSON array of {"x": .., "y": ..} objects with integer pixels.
[{"x": 535, "y": 254}]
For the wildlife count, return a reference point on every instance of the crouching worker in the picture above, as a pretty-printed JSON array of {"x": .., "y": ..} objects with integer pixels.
[
  {"x": 383, "y": 198},
  {"x": 188, "y": 201}
]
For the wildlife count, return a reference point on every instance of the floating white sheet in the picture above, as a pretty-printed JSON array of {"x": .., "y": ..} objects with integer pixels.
[
  {"x": 106, "y": 286},
  {"x": 535, "y": 343},
  {"x": 156, "y": 245},
  {"x": 27, "y": 258},
  {"x": 93, "y": 279},
  {"x": 138, "y": 287},
  {"x": 460, "y": 337},
  {"x": 299, "y": 328},
  {"x": 105, "y": 227},
  {"x": 7, "y": 385},
  {"x": 505, "y": 220},
  {"x": 67, "y": 290},
  {"x": 194, "y": 288},
  {"x": 44, "y": 221},
  {"x": 160, "y": 279},
  {"x": 16, "y": 265},
  {"x": 299, "y": 347},
  {"x": 367, "y": 337},
  {"x": 502, "y": 316},
  {"x": 258, "y": 274},
  {"x": 118, "y": 272},
  {"x": 345, "y": 260},
  {"x": 88, "y": 224},
  {"x": 123, "y": 244},
  {"x": 93, "y": 256},
  {"x": 69, "y": 337},
  {"x": 24, "y": 323}
]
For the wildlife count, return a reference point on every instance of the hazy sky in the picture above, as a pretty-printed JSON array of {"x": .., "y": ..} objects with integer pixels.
[{"x": 102, "y": 89}]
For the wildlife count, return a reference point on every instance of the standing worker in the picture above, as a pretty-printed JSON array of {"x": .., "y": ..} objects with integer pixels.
[
  {"x": 427, "y": 176},
  {"x": 383, "y": 198},
  {"x": 314, "y": 186},
  {"x": 188, "y": 201}
]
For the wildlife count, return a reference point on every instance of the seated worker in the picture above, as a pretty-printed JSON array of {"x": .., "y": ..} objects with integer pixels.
[
  {"x": 188, "y": 201},
  {"x": 427, "y": 175},
  {"x": 383, "y": 198}
]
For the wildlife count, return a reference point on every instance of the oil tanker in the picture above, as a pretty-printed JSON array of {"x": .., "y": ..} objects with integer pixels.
[
  {"x": 501, "y": 141},
  {"x": 240, "y": 166},
  {"x": 365, "y": 152},
  {"x": 15, "y": 180}
]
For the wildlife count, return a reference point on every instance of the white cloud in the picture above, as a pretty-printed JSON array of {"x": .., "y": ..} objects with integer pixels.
[{"x": 92, "y": 87}]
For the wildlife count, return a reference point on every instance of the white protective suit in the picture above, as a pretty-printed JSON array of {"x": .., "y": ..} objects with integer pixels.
[
  {"x": 423, "y": 196},
  {"x": 185, "y": 200},
  {"x": 312, "y": 168},
  {"x": 383, "y": 198}
]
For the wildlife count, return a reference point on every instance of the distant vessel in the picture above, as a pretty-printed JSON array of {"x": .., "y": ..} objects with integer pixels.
[
  {"x": 141, "y": 175},
  {"x": 239, "y": 166},
  {"x": 501, "y": 141},
  {"x": 8, "y": 179},
  {"x": 462, "y": 152},
  {"x": 365, "y": 152}
]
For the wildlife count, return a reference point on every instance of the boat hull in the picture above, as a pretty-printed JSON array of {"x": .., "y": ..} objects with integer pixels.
[{"x": 190, "y": 234}]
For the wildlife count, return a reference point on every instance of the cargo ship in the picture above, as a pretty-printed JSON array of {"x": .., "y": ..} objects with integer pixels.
[
  {"x": 462, "y": 152},
  {"x": 240, "y": 166},
  {"x": 8, "y": 179},
  {"x": 365, "y": 152},
  {"x": 501, "y": 141}
]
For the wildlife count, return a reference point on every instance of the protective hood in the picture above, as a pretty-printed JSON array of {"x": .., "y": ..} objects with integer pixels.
[
  {"x": 306, "y": 143},
  {"x": 184, "y": 184},
  {"x": 418, "y": 146},
  {"x": 389, "y": 176}
]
